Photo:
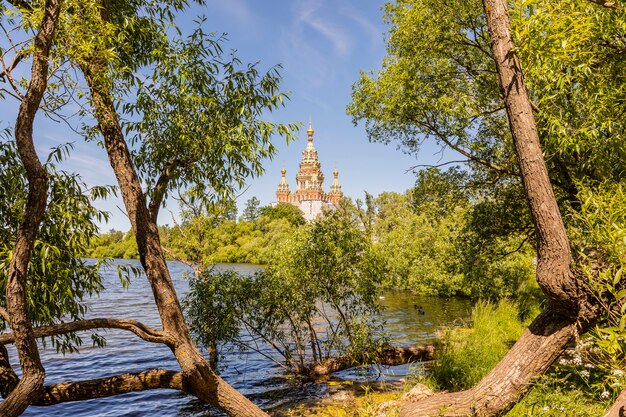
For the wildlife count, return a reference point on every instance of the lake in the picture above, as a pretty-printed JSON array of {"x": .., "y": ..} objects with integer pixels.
[{"x": 249, "y": 373}]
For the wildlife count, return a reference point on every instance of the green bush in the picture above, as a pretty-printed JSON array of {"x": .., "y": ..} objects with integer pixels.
[{"x": 312, "y": 302}]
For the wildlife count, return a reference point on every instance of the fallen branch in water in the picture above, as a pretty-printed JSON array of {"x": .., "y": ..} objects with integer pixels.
[{"x": 388, "y": 356}]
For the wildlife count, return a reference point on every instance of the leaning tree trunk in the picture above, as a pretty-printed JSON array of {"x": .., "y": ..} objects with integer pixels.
[
  {"x": 569, "y": 312},
  {"x": 544, "y": 340},
  {"x": 33, "y": 373},
  {"x": 199, "y": 378}
]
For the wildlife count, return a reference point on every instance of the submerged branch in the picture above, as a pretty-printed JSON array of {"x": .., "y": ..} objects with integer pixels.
[
  {"x": 110, "y": 386},
  {"x": 388, "y": 356}
]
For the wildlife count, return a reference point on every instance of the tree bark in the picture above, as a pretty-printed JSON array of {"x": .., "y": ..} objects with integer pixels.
[
  {"x": 569, "y": 311},
  {"x": 8, "y": 377},
  {"x": 17, "y": 306}
]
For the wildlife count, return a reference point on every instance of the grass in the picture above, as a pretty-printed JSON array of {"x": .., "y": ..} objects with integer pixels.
[
  {"x": 547, "y": 399},
  {"x": 468, "y": 354},
  {"x": 364, "y": 404}
]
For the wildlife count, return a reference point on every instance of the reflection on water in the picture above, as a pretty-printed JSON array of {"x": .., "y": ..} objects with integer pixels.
[
  {"x": 410, "y": 319},
  {"x": 249, "y": 373}
]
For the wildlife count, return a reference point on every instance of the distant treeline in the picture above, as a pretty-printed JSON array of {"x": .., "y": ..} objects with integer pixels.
[
  {"x": 212, "y": 238},
  {"x": 442, "y": 237}
]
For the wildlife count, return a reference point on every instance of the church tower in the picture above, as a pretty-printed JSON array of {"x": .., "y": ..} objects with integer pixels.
[
  {"x": 309, "y": 179},
  {"x": 335, "y": 189},
  {"x": 310, "y": 196},
  {"x": 282, "y": 193}
]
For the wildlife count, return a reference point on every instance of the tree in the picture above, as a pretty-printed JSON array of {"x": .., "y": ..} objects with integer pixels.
[
  {"x": 421, "y": 248},
  {"x": 27, "y": 389},
  {"x": 284, "y": 211},
  {"x": 308, "y": 306},
  {"x": 439, "y": 55},
  {"x": 552, "y": 331},
  {"x": 251, "y": 211},
  {"x": 444, "y": 189},
  {"x": 193, "y": 122},
  {"x": 442, "y": 56}
]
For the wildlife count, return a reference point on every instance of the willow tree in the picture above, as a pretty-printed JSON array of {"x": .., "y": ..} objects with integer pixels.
[
  {"x": 453, "y": 75},
  {"x": 172, "y": 113}
]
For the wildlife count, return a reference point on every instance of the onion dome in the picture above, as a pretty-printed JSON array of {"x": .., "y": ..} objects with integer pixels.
[
  {"x": 309, "y": 155},
  {"x": 335, "y": 186},
  {"x": 283, "y": 186}
]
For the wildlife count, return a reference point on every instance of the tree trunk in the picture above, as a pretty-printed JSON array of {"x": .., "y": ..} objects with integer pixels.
[
  {"x": 544, "y": 340},
  {"x": 555, "y": 328},
  {"x": 553, "y": 249},
  {"x": 199, "y": 379},
  {"x": 33, "y": 373}
]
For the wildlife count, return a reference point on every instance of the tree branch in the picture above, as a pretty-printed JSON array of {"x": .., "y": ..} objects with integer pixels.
[
  {"x": 161, "y": 187},
  {"x": 21, "y": 4},
  {"x": 607, "y": 4},
  {"x": 414, "y": 167},
  {"x": 16, "y": 60},
  {"x": 5, "y": 315},
  {"x": 110, "y": 386},
  {"x": 529, "y": 234},
  {"x": 146, "y": 333},
  {"x": 389, "y": 356},
  {"x": 8, "y": 377},
  {"x": 467, "y": 154}
]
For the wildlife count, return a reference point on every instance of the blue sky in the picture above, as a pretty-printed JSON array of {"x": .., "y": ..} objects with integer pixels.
[{"x": 322, "y": 45}]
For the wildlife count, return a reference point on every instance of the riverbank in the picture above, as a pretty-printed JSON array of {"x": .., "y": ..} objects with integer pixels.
[
  {"x": 465, "y": 355},
  {"x": 352, "y": 400}
]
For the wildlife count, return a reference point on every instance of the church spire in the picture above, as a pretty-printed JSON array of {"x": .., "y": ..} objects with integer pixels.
[
  {"x": 309, "y": 155},
  {"x": 335, "y": 188},
  {"x": 309, "y": 133},
  {"x": 282, "y": 193},
  {"x": 310, "y": 130}
]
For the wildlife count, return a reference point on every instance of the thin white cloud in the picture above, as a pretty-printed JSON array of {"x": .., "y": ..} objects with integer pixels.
[
  {"x": 308, "y": 13},
  {"x": 372, "y": 31}
]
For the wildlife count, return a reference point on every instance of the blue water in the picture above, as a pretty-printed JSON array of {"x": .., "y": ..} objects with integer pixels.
[{"x": 250, "y": 373}]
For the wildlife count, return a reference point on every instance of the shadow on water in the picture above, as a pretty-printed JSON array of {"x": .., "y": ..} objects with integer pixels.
[{"x": 250, "y": 373}]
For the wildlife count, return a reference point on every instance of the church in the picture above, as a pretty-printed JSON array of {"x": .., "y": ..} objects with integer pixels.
[{"x": 310, "y": 196}]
